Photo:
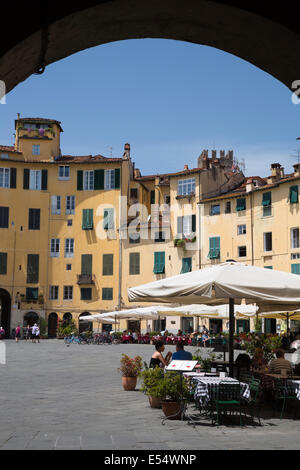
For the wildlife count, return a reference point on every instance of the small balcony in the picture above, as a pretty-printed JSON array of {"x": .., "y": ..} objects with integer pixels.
[{"x": 85, "y": 279}]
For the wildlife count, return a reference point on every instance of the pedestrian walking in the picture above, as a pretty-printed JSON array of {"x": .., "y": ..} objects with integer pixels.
[
  {"x": 33, "y": 333},
  {"x": 2, "y": 332},
  {"x": 18, "y": 333},
  {"x": 37, "y": 333},
  {"x": 27, "y": 333}
]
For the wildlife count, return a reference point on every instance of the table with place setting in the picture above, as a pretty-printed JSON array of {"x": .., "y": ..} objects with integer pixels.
[{"x": 207, "y": 388}]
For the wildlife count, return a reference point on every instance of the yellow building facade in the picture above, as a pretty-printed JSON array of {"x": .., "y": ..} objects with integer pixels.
[{"x": 77, "y": 231}]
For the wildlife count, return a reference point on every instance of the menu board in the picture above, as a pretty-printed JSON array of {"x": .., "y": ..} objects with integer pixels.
[{"x": 182, "y": 365}]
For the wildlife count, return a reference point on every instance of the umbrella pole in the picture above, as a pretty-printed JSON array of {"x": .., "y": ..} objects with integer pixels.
[
  {"x": 231, "y": 334},
  {"x": 287, "y": 323}
]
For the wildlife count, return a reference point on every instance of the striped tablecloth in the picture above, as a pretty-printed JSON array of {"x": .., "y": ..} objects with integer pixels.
[
  {"x": 207, "y": 388},
  {"x": 293, "y": 387}
]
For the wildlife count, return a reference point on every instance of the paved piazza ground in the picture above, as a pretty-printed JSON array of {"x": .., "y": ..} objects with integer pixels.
[{"x": 54, "y": 396}]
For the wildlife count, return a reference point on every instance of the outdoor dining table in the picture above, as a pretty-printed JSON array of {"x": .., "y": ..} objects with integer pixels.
[{"x": 207, "y": 388}]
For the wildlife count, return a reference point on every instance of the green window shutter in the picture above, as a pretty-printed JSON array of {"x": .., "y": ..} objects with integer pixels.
[
  {"x": 179, "y": 225},
  {"x": 13, "y": 178},
  {"x": 266, "y": 199},
  {"x": 79, "y": 180},
  {"x": 186, "y": 265},
  {"x": 294, "y": 194},
  {"x": 32, "y": 269},
  {"x": 214, "y": 248},
  {"x": 26, "y": 178},
  {"x": 3, "y": 263},
  {"x": 87, "y": 219},
  {"x": 85, "y": 293},
  {"x": 32, "y": 293},
  {"x": 107, "y": 268},
  {"x": 296, "y": 268},
  {"x": 268, "y": 267},
  {"x": 134, "y": 263},
  {"x": 99, "y": 179},
  {"x": 152, "y": 197},
  {"x": 117, "y": 178},
  {"x": 240, "y": 204},
  {"x": 86, "y": 264},
  {"x": 107, "y": 293},
  {"x": 159, "y": 262},
  {"x": 44, "y": 179}
]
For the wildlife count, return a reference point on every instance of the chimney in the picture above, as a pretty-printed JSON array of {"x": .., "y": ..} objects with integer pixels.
[
  {"x": 249, "y": 185},
  {"x": 222, "y": 153},
  {"x": 214, "y": 154},
  {"x": 275, "y": 171},
  {"x": 126, "y": 154},
  {"x": 296, "y": 169},
  {"x": 205, "y": 162},
  {"x": 18, "y": 115},
  {"x": 186, "y": 167},
  {"x": 281, "y": 172}
]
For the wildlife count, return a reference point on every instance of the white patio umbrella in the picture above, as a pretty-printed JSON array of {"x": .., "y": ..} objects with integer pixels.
[
  {"x": 95, "y": 318},
  {"x": 138, "y": 313},
  {"x": 273, "y": 290}
]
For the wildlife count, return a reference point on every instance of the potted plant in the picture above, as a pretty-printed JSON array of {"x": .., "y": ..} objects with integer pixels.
[
  {"x": 173, "y": 391},
  {"x": 150, "y": 386},
  {"x": 130, "y": 369}
]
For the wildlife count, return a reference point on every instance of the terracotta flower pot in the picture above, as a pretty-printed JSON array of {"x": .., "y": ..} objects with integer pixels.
[
  {"x": 155, "y": 402},
  {"x": 172, "y": 409},
  {"x": 129, "y": 383}
]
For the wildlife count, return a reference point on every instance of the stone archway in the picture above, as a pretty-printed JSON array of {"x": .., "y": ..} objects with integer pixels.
[
  {"x": 30, "y": 318},
  {"x": 267, "y": 38},
  {"x": 5, "y": 311},
  {"x": 52, "y": 325},
  {"x": 84, "y": 325}
]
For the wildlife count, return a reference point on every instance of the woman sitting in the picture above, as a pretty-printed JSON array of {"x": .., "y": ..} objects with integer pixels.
[{"x": 157, "y": 359}]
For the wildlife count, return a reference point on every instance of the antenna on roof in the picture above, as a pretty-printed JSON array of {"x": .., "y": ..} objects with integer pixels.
[{"x": 297, "y": 155}]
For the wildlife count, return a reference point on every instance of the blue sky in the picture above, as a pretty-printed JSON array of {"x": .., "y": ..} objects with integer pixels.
[{"x": 168, "y": 99}]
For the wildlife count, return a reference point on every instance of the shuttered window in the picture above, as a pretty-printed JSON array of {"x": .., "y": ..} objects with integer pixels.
[
  {"x": 241, "y": 204},
  {"x": 266, "y": 199},
  {"x": 4, "y": 216},
  {"x": 186, "y": 224},
  {"x": 87, "y": 219},
  {"x": 32, "y": 269},
  {"x": 214, "y": 248},
  {"x": 108, "y": 265},
  {"x": 86, "y": 293},
  {"x": 294, "y": 194},
  {"x": 107, "y": 293},
  {"x": 32, "y": 293},
  {"x": 34, "y": 219},
  {"x": 70, "y": 204},
  {"x": 295, "y": 268},
  {"x": 159, "y": 262},
  {"x": 55, "y": 204},
  {"x": 186, "y": 265},
  {"x": 134, "y": 263},
  {"x": 152, "y": 197},
  {"x": 86, "y": 264},
  {"x": 3, "y": 263}
]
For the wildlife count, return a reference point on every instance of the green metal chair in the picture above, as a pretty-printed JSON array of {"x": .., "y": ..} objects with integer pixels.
[
  {"x": 228, "y": 398},
  {"x": 255, "y": 389},
  {"x": 284, "y": 393}
]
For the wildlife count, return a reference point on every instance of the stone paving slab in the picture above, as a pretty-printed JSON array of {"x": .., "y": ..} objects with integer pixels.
[{"x": 58, "y": 397}]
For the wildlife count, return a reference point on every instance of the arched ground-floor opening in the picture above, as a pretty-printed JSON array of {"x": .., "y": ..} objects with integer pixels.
[
  {"x": 67, "y": 319},
  {"x": 5, "y": 311},
  {"x": 52, "y": 325},
  {"x": 30, "y": 318},
  {"x": 84, "y": 325}
]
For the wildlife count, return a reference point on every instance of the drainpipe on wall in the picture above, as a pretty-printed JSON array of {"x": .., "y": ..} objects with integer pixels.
[{"x": 120, "y": 243}]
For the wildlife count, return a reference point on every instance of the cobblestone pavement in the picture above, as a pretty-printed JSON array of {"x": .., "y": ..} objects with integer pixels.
[{"x": 54, "y": 396}]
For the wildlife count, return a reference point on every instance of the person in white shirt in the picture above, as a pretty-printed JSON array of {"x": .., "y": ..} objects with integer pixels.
[{"x": 33, "y": 332}]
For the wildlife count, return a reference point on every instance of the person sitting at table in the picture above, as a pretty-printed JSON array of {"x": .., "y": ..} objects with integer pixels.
[
  {"x": 296, "y": 343},
  {"x": 258, "y": 360},
  {"x": 157, "y": 358},
  {"x": 204, "y": 338},
  {"x": 280, "y": 363},
  {"x": 181, "y": 354}
]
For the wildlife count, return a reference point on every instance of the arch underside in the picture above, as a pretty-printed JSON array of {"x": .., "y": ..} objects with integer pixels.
[{"x": 268, "y": 43}]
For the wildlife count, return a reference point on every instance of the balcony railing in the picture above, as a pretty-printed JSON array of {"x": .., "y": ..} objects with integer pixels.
[{"x": 85, "y": 279}]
